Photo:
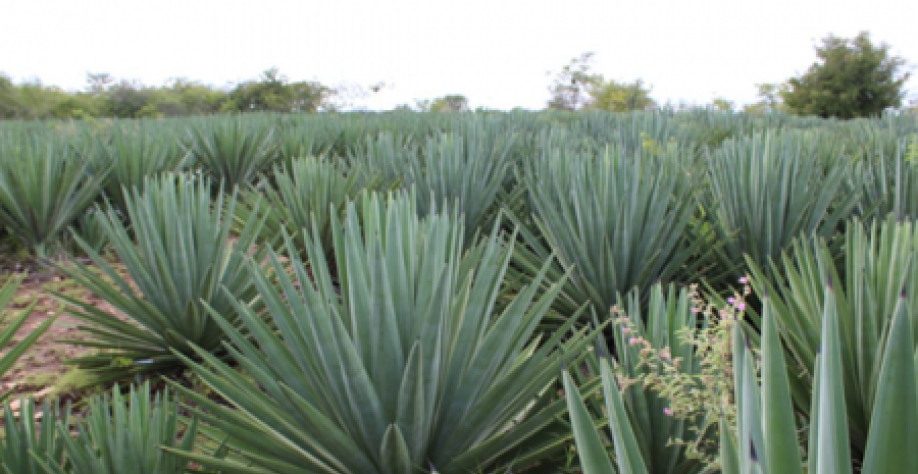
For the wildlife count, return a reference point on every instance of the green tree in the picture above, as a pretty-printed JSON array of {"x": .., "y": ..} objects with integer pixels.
[
  {"x": 7, "y": 94},
  {"x": 308, "y": 96},
  {"x": 272, "y": 92},
  {"x": 450, "y": 103},
  {"x": 130, "y": 99},
  {"x": 618, "y": 96},
  {"x": 266, "y": 93},
  {"x": 724, "y": 105},
  {"x": 30, "y": 100},
  {"x": 770, "y": 99},
  {"x": 853, "y": 78},
  {"x": 577, "y": 87},
  {"x": 569, "y": 91},
  {"x": 76, "y": 106},
  {"x": 182, "y": 97}
]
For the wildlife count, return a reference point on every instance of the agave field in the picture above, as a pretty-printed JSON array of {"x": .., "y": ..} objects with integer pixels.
[{"x": 666, "y": 292}]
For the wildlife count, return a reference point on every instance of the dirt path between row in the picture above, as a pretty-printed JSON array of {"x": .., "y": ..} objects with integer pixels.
[{"x": 42, "y": 369}]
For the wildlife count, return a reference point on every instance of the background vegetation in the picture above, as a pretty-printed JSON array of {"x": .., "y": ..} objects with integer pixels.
[{"x": 852, "y": 78}]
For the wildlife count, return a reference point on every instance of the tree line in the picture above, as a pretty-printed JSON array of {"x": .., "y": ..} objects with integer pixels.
[
  {"x": 104, "y": 96},
  {"x": 852, "y": 77}
]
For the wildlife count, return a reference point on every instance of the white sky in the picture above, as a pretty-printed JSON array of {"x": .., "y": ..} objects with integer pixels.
[{"x": 497, "y": 53}]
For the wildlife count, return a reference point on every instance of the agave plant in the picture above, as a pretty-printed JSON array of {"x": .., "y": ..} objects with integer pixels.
[
  {"x": 389, "y": 156},
  {"x": 403, "y": 368},
  {"x": 30, "y": 442},
  {"x": 767, "y": 190},
  {"x": 299, "y": 142},
  {"x": 232, "y": 152},
  {"x": 890, "y": 182},
  {"x": 463, "y": 172},
  {"x": 307, "y": 192},
  {"x": 878, "y": 262},
  {"x": 658, "y": 322},
  {"x": 135, "y": 154},
  {"x": 620, "y": 223},
  {"x": 766, "y": 437},
  {"x": 591, "y": 450},
  {"x": 124, "y": 435},
  {"x": 90, "y": 229},
  {"x": 179, "y": 262},
  {"x": 44, "y": 188}
]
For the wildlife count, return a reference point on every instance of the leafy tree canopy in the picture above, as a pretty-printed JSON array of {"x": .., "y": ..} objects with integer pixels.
[
  {"x": 447, "y": 103},
  {"x": 104, "y": 96},
  {"x": 770, "y": 99},
  {"x": 450, "y": 103},
  {"x": 272, "y": 92},
  {"x": 724, "y": 105},
  {"x": 577, "y": 87},
  {"x": 853, "y": 78},
  {"x": 619, "y": 96}
]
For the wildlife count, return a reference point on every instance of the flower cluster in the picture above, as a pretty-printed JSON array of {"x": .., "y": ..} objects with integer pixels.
[{"x": 702, "y": 395}]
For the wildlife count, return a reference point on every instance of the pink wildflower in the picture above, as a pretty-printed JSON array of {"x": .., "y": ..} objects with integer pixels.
[
  {"x": 740, "y": 306},
  {"x": 633, "y": 341},
  {"x": 626, "y": 330},
  {"x": 731, "y": 300},
  {"x": 695, "y": 310},
  {"x": 667, "y": 412},
  {"x": 744, "y": 280}
]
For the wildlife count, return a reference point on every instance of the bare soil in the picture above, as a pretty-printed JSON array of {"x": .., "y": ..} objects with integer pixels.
[{"x": 42, "y": 370}]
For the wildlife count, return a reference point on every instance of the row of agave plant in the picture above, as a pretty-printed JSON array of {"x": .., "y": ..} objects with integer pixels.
[
  {"x": 409, "y": 306},
  {"x": 654, "y": 191},
  {"x": 402, "y": 348}
]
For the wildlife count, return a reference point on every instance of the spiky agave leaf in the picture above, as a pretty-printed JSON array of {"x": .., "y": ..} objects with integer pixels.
[
  {"x": 593, "y": 456},
  {"x": 766, "y": 436},
  {"x": 406, "y": 364},
  {"x": 31, "y": 443},
  {"x": 895, "y": 411},
  {"x": 44, "y": 188},
  {"x": 124, "y": 435},
  {"x": 180, "y": 261},
  {"x": 465, "y": 172},
  {"x": 620, "y": 222},
  {"x": 304, "y": 192},
  {"x": 134, "y": 153},
  {"x": 660, "y": 319},
  {"x": 879, "y": 260},
  {"x": 767, "y": 190},
  {"x": 232, "y": 151}
]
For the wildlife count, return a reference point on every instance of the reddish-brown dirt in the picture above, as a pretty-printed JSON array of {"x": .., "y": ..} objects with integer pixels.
[{"x": 42, "y": 367}]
